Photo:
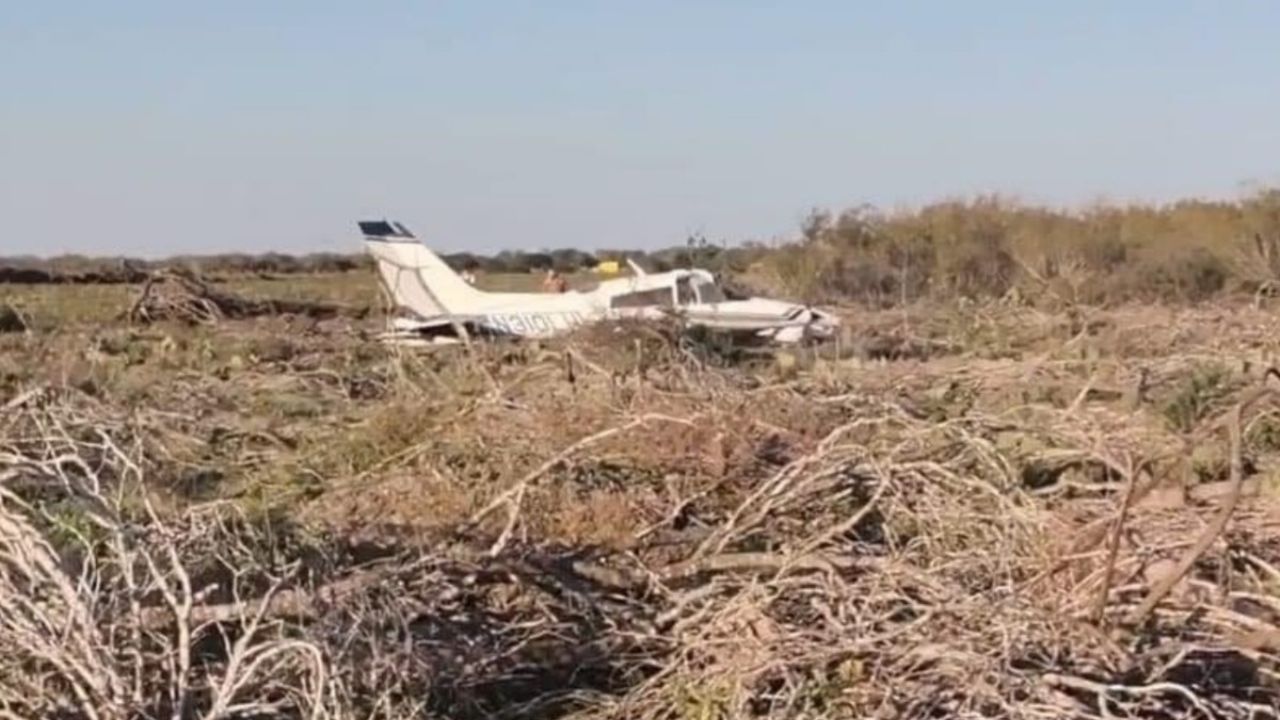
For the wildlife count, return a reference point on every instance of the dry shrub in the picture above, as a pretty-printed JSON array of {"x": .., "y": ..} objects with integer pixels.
[
  {"x": 117, "y": 608},
  {"x": 1184, "y": 251},
  {"x": 570, "y": 530},
  {"x": 182, "y": 294},
  {"x": 13, "y": 320}
]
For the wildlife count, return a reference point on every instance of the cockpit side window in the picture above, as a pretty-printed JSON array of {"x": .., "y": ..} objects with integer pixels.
[
  {"x": 684, "y": 292},
  {"x": 709, "y": 292},
  {"x": 643, "y": 298}
]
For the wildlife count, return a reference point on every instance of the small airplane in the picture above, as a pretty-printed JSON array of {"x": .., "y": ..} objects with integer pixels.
[{"x": 447, "y": 309}]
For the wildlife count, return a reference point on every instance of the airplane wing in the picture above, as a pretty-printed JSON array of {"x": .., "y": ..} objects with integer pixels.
[
  {"x": 440, "y": 330},
  {"x": 797, "y": 317},
  {"x": 774, "y": 323}
]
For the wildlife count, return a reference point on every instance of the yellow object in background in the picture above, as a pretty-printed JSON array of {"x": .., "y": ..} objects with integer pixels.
[{"x": 608, "y": 267}]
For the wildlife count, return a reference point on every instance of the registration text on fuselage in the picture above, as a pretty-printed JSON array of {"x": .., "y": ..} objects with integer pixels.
[{"x": 522, "y": 323}]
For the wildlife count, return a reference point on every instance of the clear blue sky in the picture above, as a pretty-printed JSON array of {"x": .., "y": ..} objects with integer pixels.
[{"x": 149, "y": 128}]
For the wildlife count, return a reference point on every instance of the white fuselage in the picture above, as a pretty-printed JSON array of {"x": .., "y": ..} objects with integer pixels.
[{"x": 546, "y": 314}]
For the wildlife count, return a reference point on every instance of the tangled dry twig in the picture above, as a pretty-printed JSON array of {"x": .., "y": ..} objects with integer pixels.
[
  {"x": 98, "y": 600},
  {"x": 815, "y": 552}
]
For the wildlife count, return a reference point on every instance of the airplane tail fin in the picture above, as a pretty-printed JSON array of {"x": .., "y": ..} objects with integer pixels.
[{"x": 417, "y": 279}]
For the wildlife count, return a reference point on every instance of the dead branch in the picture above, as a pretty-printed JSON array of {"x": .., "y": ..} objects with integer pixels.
[{"x": 1234, "y": 425}]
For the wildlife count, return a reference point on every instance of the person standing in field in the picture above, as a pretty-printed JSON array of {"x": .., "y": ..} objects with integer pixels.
[{"x": 554, "y": 282}]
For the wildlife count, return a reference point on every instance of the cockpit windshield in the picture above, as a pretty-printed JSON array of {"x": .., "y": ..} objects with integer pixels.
[{"x": 709, "y": 292}]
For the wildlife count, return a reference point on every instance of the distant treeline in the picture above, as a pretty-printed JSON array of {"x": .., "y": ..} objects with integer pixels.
[
  {"x": 983, "y": 247},
  {"x": 78, "y": 269}
]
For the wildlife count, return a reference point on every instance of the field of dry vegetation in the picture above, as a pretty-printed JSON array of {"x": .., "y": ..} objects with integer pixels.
[{"x": 1029, "y": 491}]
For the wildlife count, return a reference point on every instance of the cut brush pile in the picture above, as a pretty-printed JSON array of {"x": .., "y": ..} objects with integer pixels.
[
  {"x": 180, "y": 294},
  {"x": 591, "y": 531}
]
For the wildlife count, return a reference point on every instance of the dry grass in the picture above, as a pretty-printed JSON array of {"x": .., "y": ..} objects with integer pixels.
[{"x": 1019, "y": 521}]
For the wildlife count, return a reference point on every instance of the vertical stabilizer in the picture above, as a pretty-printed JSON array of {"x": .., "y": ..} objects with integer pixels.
[{"x": 417, "y": 279}]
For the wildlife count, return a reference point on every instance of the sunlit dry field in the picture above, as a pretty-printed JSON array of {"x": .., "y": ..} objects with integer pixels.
[
  {"x": 59, "y": 305},
  {"x": 961, "y": 510}
]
